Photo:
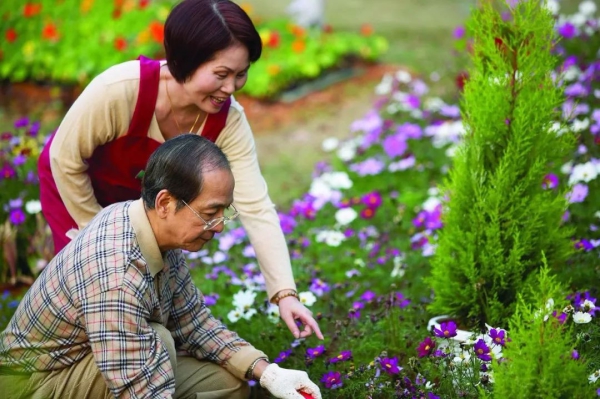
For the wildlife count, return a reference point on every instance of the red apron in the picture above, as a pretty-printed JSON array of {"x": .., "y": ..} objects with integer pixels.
[{"x": 114, "y": 167}]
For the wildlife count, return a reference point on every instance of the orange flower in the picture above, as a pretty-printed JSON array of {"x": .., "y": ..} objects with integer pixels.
[
  {"x": 297, "y": 31},
  {"x": 120, "y": 43},
  {"x": 50, "y": 32},
  {"x": 31, "y": 9},
  {"x": 298, "y": 46},
  {"x": 158, "y": 31},
  {"x": 366, "y": 30},
  {"x": 11, "y": 35},
  {"x": 273, "y": 69},
  {"x": 86, "y": 6}
]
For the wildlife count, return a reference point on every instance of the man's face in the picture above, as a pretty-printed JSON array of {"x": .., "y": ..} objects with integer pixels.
[{"x": 216, "y": 195}]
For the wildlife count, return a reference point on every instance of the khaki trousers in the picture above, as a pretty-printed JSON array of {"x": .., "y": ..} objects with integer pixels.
[{"x": 194, "y": 379}]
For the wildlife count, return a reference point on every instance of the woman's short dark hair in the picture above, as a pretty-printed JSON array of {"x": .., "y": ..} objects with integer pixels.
[
  {"x": 197, "y": 29},
  {"x": 177, "y": 165}
]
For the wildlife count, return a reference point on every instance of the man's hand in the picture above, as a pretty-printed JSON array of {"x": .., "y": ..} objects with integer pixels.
[
  {"x": 290, "y": 310},
  {"x": 285, "y": 384}
]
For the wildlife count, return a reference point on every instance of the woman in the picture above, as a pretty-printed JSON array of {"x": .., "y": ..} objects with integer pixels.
[{"x": 97, "y": 155}]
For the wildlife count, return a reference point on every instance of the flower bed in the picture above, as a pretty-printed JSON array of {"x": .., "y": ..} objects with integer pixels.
[
  {"x": 362, "y": 239},
  {"x": 70, "y": 42}
]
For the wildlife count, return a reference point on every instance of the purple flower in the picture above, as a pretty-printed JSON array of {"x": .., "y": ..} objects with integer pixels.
[
  {"x": 409, "y": 131},
  {"x": 575, "y": 354},
  {"x": 394, "y": 145},
  {"x": 578, "y": 193},
  {"x": 342, "y": 357},
  {"x": 288, "y": 223},
  {"x": 19, "y": 160},
  {"x": 431, "y": 395},
  {"x": 390, "y": 365},
  {"x": 319, "y": 287},
  {"x": 498, "y": 336},
  {"x": 7, "y": 172},
  {"x": 282, "y": 356},
  {"x": 576, "y": 90},
  {"x": 312, "y": 353},
  {"x": 368, "y": 296},
  {"x": 584, "y": 244},
  {"x": 34, "y": 129},
  {"x": 21, "y": 122},
  {"x": 567, "y": 30},
  {"x": 482, "y": 350},
  {"x": 446, "y": 330},
  {"x": 332, "y": 379},
  {"x": 400, "y": 300},
  {"x": 426, "y": 347},
  {"x": 459, "y": 32},
  {"x": 550, "y": 181},
  {"x": 358, "y": 305},
  {"x": 372, "y": 199},
  {"x": 368, "y": 167},
  {"x": 17, "y": 216},
  {"x": 211, "y": 299}
]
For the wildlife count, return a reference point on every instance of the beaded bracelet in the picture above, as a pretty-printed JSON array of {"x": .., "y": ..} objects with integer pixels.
[
  {"x": 289, "y": 293},
  {"x": 250, "y": 372}
]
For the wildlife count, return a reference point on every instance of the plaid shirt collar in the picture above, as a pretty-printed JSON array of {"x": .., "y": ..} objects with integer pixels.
[{"x": 145, "y": 237}]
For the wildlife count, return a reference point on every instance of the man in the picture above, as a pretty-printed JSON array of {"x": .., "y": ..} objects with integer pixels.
[{"x": 116, "y": 313}]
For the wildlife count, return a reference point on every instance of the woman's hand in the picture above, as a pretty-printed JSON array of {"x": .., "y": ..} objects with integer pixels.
[
  {"x": 286, "y": 384},
  {"x": 290, "y": 310}
]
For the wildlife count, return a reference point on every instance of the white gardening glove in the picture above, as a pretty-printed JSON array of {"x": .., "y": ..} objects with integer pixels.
[{"x": 285, "y": 384}]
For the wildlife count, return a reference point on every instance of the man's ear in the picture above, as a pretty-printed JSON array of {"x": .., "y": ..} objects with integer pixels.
[{"x": 164, "y": 204}]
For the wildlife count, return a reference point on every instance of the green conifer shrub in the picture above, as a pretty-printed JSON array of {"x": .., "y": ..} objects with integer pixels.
[
  {"x": 539, "y": 354},
  {"x": 498, "y": 219}
]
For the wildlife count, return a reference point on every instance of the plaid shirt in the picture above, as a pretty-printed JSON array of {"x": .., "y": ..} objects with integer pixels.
[{"x": 99, "y": 294}]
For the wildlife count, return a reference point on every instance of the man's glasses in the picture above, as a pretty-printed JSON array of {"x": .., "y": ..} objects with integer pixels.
[{"x": 229, "y": 214}]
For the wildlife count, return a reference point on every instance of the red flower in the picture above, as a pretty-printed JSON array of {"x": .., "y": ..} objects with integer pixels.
[
  {"x": 120, "y": 43},
  {"x": 11, "y": 35},
  {"x": 461, "y": 79},
  {"x": 367, "y": 213},
  {"x": 50, "y": 32},
  {"x": 144, "y": 3},
  {"x": 274, "y": 39},
  {"x": 31, "y": 9},
  {"x": 327, "y": 28},
  {"x": 157, "y": 30}
]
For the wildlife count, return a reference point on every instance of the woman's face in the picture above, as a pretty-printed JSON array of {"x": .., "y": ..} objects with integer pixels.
[{"x": 217, "y": 79}]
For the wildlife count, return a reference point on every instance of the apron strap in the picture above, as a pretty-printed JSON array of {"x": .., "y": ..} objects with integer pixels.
[
  {"x": 216, "y": 122},
  {"x": 147, "y": 95}
]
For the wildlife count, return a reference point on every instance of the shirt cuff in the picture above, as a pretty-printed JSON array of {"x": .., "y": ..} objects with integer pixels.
[{"x": 241, "y": 360}]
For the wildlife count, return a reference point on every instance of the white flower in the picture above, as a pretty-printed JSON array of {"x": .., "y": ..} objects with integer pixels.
[
  {"x": 578, "y": 20},
  {"x": 346, "y": 152},
  {"x": 330, "y": 144},
  {"x": 462, "y": 356},
  {"x": 235, "y": 315},
  {"x": 273, "y": 313},
  {"x": 361, "y": 263},
  {"x": 337, "y": 180},
  {"x": 434, "y": 104},
  {"x": 345, "y": 216},
  {"x": 431, "y": 203},
  {"x": 219, "y": 257},
  {"x": 553, "y": 6},
  {"x": 584, "y": 172},
  {"x": 594, "y": 376},
  {"x": 587, "y": 8},
  {"x": 244, "y": 299},
  {"x": 249, "y": 313},
  {"x": 580, "y": 125},
  {"x": 398, "y": 267},
  {"x": 403, "y": 76},
  {"x": 385, "y": 86},
  {"x": 331, "y": 237},
  {"x": 587, "y": 305},
  {"x": 32, "y": 207},
  {"x": 307, "y": 298},
  {"x": 582, "y": 317}
]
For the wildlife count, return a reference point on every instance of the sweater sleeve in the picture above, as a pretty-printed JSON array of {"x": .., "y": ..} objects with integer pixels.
[
  {"x": 257, "y": 211},
  {"x": 99, "y": 115}
]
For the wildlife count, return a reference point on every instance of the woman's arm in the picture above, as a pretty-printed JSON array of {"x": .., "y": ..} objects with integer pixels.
[{"x": 251, "y": 197}]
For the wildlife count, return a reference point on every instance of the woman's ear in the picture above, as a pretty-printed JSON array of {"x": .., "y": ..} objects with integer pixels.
[{"x": 164, "y": 204}]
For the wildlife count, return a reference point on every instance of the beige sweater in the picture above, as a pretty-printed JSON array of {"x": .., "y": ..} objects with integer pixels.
[{"x": 102, "y": 113}]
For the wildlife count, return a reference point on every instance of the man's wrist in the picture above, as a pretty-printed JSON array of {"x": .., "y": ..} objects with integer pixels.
[{"x": 256, "y": 368}]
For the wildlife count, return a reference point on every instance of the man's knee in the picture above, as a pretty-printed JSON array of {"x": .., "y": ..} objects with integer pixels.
[{"x": 202, "y": 379}]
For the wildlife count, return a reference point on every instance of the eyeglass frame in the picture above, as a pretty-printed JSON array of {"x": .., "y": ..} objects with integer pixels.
[{"x": 211, "y": 224}]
